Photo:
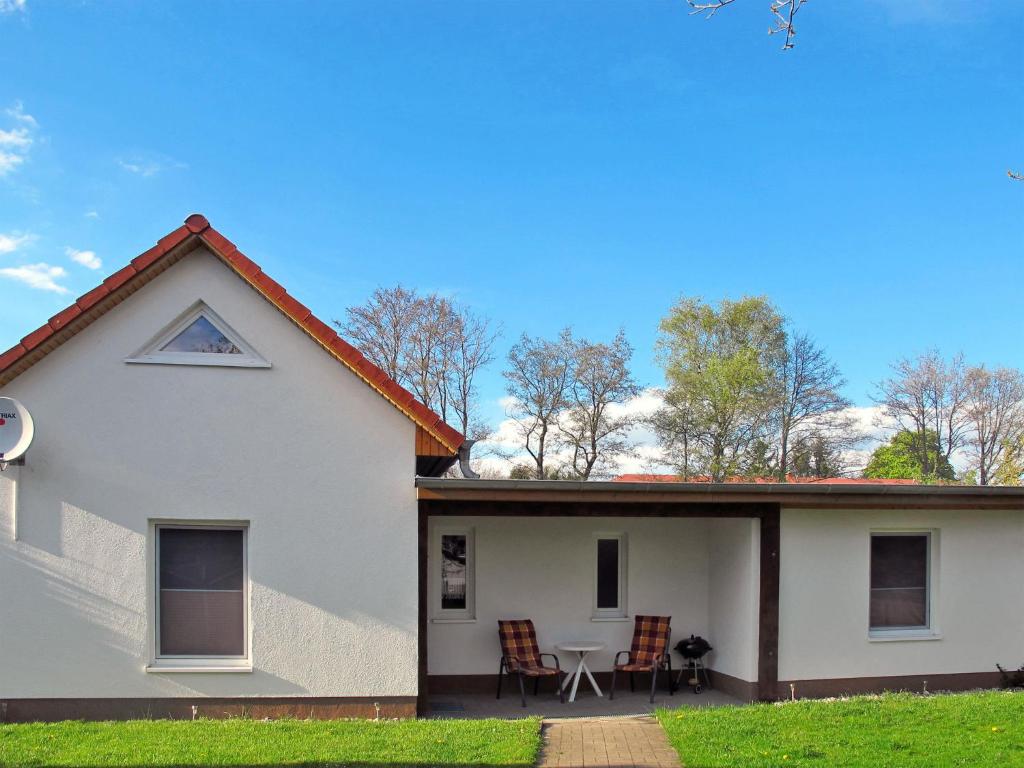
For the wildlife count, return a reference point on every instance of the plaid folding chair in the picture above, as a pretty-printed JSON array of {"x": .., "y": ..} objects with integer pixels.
[
  {"x": 521, "y": 656},
  {"x": 648, "y": 653}
]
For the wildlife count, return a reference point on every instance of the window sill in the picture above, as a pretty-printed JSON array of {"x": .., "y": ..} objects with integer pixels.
[
  {"x": 194, "y": 667},
  {"x": 453, "y": 621},
  {"x": 903, "y": 635},
  {"x": 609, "y": 618}
]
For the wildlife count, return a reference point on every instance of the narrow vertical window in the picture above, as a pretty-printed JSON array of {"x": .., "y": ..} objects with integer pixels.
[
  {"x": 899, "y": 581},
  {"x": 453, "y": 572},
  {"x": 455, "y": 588},
  {"x": 610, "y": 576},
  {"x": 201, "y": 586}
]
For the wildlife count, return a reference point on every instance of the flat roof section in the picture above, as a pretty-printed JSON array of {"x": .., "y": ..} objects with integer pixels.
[{"x": 463, "y": 493}]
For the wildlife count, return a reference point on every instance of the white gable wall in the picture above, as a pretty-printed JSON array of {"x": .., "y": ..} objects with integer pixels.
[{"x": 318, "y": 464}]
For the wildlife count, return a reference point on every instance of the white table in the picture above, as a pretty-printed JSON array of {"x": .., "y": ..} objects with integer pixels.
[{"x": 581, "y": 648}]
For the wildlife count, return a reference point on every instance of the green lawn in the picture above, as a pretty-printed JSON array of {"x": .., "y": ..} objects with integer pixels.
[
  {"x": 890, "y": 731},
  {"x": 238, "y": 742}
]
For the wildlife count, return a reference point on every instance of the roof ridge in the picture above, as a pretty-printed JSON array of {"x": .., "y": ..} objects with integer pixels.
[{"x": 198, "y": 226}]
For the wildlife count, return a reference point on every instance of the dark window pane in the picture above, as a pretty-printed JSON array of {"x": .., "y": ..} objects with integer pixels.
[
  {"x": 191, "y": 558},
  {"x": 899, "y": 608},
  {"x": 607, "y": 573},
  {"x": 899, "y": 561},
  {"x": 202, "y": 597},
  {"x": 453, "y": 572},
  {"x": 202, "y": 623},
  {"x": 899, "y": 581}
]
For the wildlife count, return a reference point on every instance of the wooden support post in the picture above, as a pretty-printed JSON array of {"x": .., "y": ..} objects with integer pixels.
[{"x": 768, "y": 613}]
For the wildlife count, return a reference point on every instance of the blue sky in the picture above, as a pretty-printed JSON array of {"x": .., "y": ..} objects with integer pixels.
[{"x": 548, "y": 163}]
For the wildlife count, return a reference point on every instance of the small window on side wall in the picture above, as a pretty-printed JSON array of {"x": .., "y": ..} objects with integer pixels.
[
  {"x": 610, "y": 576},
  {"x": 201, "y": 592},
  {"x": 900, "y": 582},
  {"x": 455, "y": 591}
]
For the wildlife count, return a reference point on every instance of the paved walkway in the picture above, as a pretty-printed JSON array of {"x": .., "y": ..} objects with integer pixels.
[{"x": 615, "y": 742}]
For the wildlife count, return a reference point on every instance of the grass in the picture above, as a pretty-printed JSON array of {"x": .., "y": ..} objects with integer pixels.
[
  {"x": 240, "y": 742},
  {"x": 890, "y": 731}
]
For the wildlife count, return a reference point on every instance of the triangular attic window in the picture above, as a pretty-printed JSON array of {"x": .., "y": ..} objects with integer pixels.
[
  {"x": 204, "y": 337},
  {"x": 199, "y": 337}
]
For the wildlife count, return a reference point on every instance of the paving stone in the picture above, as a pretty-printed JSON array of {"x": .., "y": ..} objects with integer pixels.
[{"x": 621, "y": 742}]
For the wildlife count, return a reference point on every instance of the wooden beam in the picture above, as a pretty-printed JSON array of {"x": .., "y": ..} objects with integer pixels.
[
  {"x": 768, "y": 610},
  {"x": 589, "y": 509}
]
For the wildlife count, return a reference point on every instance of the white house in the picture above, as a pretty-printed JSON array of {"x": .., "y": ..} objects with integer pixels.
[{"x": 226, "y": 506}]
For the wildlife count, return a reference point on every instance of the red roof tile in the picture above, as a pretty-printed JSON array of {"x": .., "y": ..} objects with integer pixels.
[
  {"x": 649, "y": 478},
  {"x": 140, "y": 271}
]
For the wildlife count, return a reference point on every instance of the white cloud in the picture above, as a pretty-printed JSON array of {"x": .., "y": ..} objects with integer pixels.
[
  {"x": 16, "y": 137},
  {"x": 92, "y": 214},
  {"x": 87, "y": 259},
  {"x": 147, "y": 165},
  {"x": 12, "y": 6},
  {"x": 16, "y": 142},
  {"x": 42, "y": 276},
  {"x": 12, "y": 242},
  {"x": 18, "y": 113}
]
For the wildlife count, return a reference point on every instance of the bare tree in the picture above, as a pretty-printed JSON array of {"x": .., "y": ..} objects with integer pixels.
[
  {"x": 538, "y": 379},
  {"x": 381, "y": 328},
  {"x": 783, "y": 11},
  {"x": 472, "y": 350},
  {"x": 927, "y": 397},
  {"x": 600, "y": 381},
  {"x": 429, "y": 344},
  {"x": 810, "y": 398},
  {"x": 428, "y": 352},
  {"x": 994, "y": 410}
]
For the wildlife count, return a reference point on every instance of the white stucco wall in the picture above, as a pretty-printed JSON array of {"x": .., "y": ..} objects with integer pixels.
[
  {"x": 318, "y": 464},
  {"x": 977, "y": 590},
  {"x": 544, "y": 569},
  {"x": 733, "y": 596}
]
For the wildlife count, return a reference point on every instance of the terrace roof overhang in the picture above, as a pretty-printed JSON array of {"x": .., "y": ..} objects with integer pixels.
[{"x": 439, "y": 496}]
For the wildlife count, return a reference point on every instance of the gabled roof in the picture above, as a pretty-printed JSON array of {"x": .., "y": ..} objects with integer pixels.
[{"x": 195, "y": 232}]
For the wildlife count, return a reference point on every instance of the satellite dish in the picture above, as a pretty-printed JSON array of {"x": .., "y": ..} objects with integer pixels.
[{"x": 16, "y": 429}]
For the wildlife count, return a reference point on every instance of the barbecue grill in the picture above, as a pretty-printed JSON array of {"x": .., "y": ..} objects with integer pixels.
[{"x": 693, "y": 650}]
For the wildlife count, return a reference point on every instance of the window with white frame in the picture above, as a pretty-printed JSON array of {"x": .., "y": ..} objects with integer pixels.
[
  {"x": 609, "y": 575},
  {"x": 900, "y": 581},
  {"x": 456, "y": 588},
  {"x": 201, "y": 592},
  {"x": 199, "y": 336}
]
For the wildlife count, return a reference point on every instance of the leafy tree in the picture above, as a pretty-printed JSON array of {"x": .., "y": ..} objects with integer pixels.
[
  {"x": 901, "y": 458},
  {"x": 722, "y": 362},
  {"x": 817, "y": 455},
  {"x": 1011, "y": 469}
]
